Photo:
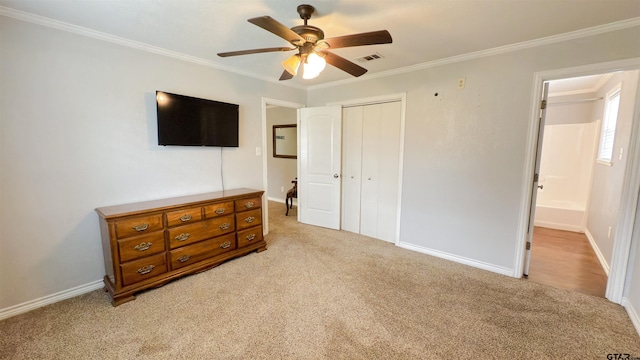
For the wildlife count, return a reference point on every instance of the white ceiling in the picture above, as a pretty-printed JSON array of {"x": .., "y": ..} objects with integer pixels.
[
  {"x": 578, "y": 85},
  {"x": 423, "y": 30}
]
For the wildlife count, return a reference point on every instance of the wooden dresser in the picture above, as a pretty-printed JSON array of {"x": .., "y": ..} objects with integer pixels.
[{"x": 148, "y": 244}]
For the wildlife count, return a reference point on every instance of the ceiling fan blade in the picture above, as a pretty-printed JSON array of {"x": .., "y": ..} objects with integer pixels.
[
  {"x": 271, "y": 25},
  {"x": 369, "y": 38},
  {"x": 285, "y": 76},
  {"x": 254, "y": 51},
  {"x": 344, "y": 64}
]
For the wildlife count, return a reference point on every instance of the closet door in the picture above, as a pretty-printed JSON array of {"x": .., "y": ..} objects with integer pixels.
[
  {"x": 352, "y": 167},
  {"x": 371, "y": 155},
  {"x": 380, "y": 170}
]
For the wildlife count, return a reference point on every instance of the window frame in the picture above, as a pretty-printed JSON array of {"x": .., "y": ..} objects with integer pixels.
[{"x": 608, "y": 127}]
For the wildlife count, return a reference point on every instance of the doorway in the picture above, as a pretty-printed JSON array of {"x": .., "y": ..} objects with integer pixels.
[
  {"x": 278, "y": 171},
  {"x": 564, "y": 253},
  {"x": 614, "y": 245}
]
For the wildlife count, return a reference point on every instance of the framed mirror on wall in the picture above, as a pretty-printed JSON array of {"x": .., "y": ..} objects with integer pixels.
[{"x": 285, "y": 141}]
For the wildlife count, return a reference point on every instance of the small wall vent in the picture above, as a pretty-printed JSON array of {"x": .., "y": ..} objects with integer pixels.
[{"x": 371, "y": 57}]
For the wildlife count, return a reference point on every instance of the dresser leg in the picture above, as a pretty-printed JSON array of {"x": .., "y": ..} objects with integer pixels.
[{"x": 119, "y": 300}]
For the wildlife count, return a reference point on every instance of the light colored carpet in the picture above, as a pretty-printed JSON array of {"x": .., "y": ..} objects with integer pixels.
[{"x": 325, "y": 294}]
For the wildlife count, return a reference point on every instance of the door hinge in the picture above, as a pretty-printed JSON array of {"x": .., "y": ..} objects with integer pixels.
[
  {"x": 543, "y": 104},
  {"x": 528, "y": 245},
  {"x": 535, "y": 178}
]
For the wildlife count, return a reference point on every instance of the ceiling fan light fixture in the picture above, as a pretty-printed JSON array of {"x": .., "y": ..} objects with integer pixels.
[
  {"x": 321, "y": 45},
  {"x": 292, "y": 64},
  {"x": 308, "y": 74},
  {"x": 313, "y": 66}
]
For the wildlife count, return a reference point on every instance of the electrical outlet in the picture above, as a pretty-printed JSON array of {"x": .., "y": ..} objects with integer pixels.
[
  {"x": 621, "y": 152},
  {"x": 281, "y": 188},
  {"x": 258, "y": 151},
  {"x": 461, "y": 82},
  {"x": 609, "y": 233}
]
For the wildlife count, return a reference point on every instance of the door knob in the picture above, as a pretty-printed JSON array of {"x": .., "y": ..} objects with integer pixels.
[
  {"x": 541, "y": 187},
  {"x": 336, "y": 176}
]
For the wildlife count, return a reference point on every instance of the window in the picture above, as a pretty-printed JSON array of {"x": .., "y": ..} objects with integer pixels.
[{"x": 608, "y": 132}]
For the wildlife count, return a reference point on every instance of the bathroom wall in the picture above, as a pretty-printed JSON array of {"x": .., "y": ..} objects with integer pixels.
[
  {"x": 608, "y": 179},
  {"x": 566, "y": 167}
]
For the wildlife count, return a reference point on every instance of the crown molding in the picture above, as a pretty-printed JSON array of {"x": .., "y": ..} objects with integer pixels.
[
  {"x": 48, "y": 22},
  {"x": 601, "y": 29},
  {"x": 79, "y": 30},
  {"x": 591, "y": 91}
]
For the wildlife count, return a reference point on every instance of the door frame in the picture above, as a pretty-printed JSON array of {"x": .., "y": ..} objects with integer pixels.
[
  {"x": 402, "y": 97},
  {"x": 536, "y": 170},
  {"x": 631, "y": 184},
  {"x": 266, "y": 138}
]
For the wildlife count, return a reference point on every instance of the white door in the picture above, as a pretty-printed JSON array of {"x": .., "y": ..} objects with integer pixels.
[
  {"x": 371, "y": 163},
  {"x": 380, "y": 170},
  {"x": 534, "y": 189},
  {"x": 319, "y": 177},
  {"x": 352, "y": 167}
]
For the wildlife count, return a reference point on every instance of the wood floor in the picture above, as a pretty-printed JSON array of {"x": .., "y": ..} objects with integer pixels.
[{"x": 566, "y": 260}]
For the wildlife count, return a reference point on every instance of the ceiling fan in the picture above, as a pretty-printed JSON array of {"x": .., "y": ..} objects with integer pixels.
[{"x": 312, "y": 47}]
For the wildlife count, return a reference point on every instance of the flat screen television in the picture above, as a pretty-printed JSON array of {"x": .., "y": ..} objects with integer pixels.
[{"x": 189, "y": 121}]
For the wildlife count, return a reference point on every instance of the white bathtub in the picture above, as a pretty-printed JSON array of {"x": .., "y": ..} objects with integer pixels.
[{"x": 561, "y": 215}]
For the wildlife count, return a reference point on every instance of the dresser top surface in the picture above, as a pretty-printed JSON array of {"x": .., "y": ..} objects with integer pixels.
[{"x": 169, "y": 203}]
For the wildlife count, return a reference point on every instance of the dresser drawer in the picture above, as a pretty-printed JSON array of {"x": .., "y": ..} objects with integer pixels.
[
  {"x": 142, "y": 269},
  {"x": 247, "y": 219},
  {"x": 249, "y": 236},
  {"x": 188, "y": 234},
  {"x": 192, "y": 254},
  {"x": 218, "y": 209},
  {"x": 140, "y": 246},
  {"x": 248, "y": 204},
  {"x": 138, "y": 225},
  {"x": 183, "y": 216}
]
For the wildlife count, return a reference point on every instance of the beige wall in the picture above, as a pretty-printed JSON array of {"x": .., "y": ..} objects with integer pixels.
[
  {"x": 280, "y": 171},
  {"x": 78, "y": 131},
  {"x": 464, "y": 155},
  {"x": 608, "y": 180}
]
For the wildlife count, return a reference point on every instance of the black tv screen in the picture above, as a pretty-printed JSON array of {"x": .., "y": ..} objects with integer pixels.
[{"x": 189, "y": 121}]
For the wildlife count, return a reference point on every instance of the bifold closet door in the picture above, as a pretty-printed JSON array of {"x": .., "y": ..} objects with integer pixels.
[
  {"x": 371, "y": 163},
  {"x": 351, "y": 167}
]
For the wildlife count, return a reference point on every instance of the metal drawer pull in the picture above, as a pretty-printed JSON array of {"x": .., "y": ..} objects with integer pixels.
[
  {"x": 249, "y": 204},
  {"x": 250, "y": 219},
  {"x": 220, "y": 211},
  {"x": 225, "y": 226},
  {"x": 184, "y": 258},
  {"x": 225, "y": 245},
  {"x": 183, "y": 236},
  {"x": 185, "y": 217},
  {"x": 145, "y": 269},
  {"x": 141, "y": 227},
  {"x": 251, "y": 237},
  {"x": 143, "y": 246}
]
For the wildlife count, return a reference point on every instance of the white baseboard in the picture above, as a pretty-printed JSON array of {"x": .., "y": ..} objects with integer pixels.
[
  {"x": 601, "y": 259},
  {"x": 282, "y": 201},
  {"x": 459, "y": 259},
  {"x": 633, "y": 314},
  {"x": 558, "y": 226},
  {"x": 276, "y": 199},
  {"x": 50, "y": 299}
]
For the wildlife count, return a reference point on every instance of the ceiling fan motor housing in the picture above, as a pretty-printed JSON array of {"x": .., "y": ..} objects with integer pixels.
[{"x": 309, "y": 33}]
